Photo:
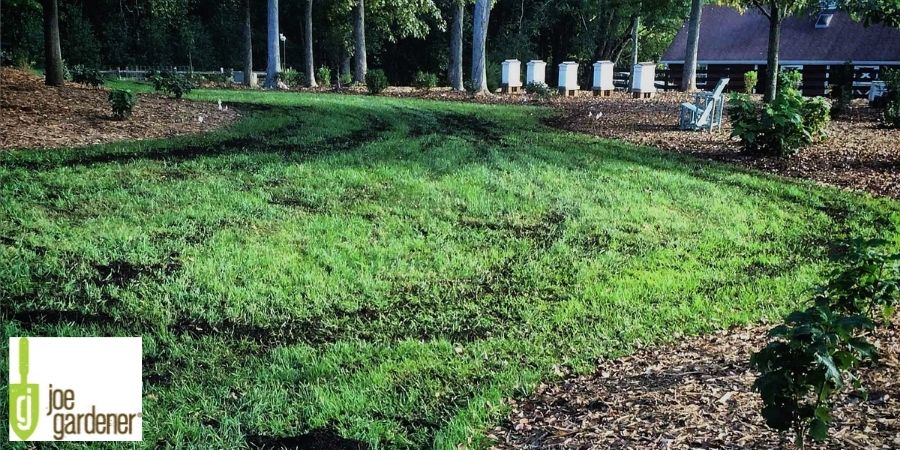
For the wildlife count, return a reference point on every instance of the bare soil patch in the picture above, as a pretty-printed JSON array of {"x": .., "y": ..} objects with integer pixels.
[
  {"x": 33, "y": 115},
  {"x": 694, "y": 395}
]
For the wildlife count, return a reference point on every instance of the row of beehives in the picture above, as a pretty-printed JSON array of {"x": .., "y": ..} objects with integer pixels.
[{"x": 642, "y": 82}]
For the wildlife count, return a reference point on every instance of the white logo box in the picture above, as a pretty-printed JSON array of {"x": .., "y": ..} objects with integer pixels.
[{"x": 92, "y": 375}]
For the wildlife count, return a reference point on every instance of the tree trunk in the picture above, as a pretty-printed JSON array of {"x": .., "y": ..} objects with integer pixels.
[
  {"x": 456, "y": 47},
  {"x": 359, "y": 43},
  {"x": 635, "y": 48},
  {"x": 689, "y": 75},
  {"x": 479, "y": 40},
  {"x": 249, "y": 80},
  {"x": 273, "y": 42},
  {"x": 53, "y": 65},
  {"x": 772, "y": 64},
  {"x": 308, "y": 35}
]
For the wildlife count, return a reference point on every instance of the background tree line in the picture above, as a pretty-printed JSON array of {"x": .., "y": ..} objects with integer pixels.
[{"x": 401, "y": 36}]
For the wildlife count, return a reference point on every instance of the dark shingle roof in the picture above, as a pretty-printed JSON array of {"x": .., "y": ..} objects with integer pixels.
[{"x": 728, "y": 35}]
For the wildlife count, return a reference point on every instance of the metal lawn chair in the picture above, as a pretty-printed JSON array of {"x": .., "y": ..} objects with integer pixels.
[{"x": 707, "y": 110}]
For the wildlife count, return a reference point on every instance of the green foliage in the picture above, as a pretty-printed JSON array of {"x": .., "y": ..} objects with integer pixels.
[
  {"x": 841, "y": 83},
  {"x": 170, "y": 83},
  {"x": 751, "y": 79},
  {"x": 346, "y": 79},
  {"x": 122, "y": 102},
  {"x": 813, "y": 354},
  {"x": 323, "y": 76},
  {"x": 292, "y": 78},
  {"x": 539, "y": 90},
  {"x": 425, "y": 80},
  {"x": 891, "y": 99},
  {"x": 87, "y": 76},
  {"x": 219, "y": 77},
  {"x": 376, "y": 81},
  {"x": 783, "y": 126}
]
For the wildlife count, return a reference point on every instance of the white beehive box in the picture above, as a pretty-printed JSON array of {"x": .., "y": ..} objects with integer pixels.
[
  {"x": 512, "y": 73},
  {"x": 643, "y": 79},
  {"x": 536, "y": 72},
  {"x": 603, "y": 77},
  {"x": 568, "y": 78}
]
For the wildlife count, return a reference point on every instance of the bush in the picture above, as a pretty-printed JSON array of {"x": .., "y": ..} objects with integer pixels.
[
  {"x": 122, "y": 102},
  {"x": 171, "y": 83},
  {"x": 220, "y": 77},
  {"x": 425, "y": 80},
  {"x": 376, "y": 81},
  {"x": 292, "y": 78},
  {"x": 751, "y": 79},
  {"x": 841, "y": 92},
  {"x": 540, "y": 90},
  {"x": 87, "y": 76},
  {"x": 810, "y": 356},
  {"x": 346, "y": 79},
  {"x": 783, "y": 126},
  {"x": 323, "y": 76},
  {"x": 891, "y": 100}
]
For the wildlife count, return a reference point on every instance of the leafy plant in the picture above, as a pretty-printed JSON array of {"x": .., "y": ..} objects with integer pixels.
[
  {"x": 540, "y": 90},
  {"x": 292, "y": 78},
  {"x": 891, "y": 99},
  {"x": 805, "y": 362},
  {"x": 220, "y": 77},
  {"x": 87, "y": 76},
  {"x": 783, "y": 126},
  {"x": 171, "y": 83},
  {"x": 323, "y": 76},
  {"x": 751, "y": 79},
  {"x": 841, "y": 83},
  {"x": 346, "y": 79},
  {"x": 122, "y": 102},
  {"x": 814, "y": 353},
  {"x": 425, "y": 80},
  {"x": 376, "y": 81}
]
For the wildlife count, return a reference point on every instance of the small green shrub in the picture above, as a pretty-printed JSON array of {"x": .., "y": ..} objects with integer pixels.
[
  {"x": 783, "y": 126},
  {"x": 87, "y": 76},
  {"x": 346, "y": 79},
  {"x": 323, "y": 76},
  {"x": 540, "y": 90},
  {"x": 220, "y": 77},
  {"x": 292, "y": 78},
  {"x": 751, "y": 79},
  {"x": 891, "y": 99},
  {"x": 376, "y": 81},
  {"x": 171, "y": 83},
  {"x": 841, "y": 89},
  {"x": 122, "y": 102},
  {"x": 425, "y": 80},
  {"x": 813, "y": 354}
]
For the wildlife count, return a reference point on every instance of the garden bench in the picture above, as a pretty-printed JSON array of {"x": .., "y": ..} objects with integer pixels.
[{"x": 706, "y": 111}]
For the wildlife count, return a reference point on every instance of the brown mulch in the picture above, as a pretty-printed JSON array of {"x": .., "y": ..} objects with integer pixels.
[
  {"x": 33, "y": 115},
  {"x": 859, "y": 154},
  {"x": 694, "y": 395}
]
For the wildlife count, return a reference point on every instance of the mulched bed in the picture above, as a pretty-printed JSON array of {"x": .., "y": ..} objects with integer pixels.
[
  {"x": 34, "y": 115},
  {"x": 860, "y": 154},
  {"x": 694, "y": 395}
]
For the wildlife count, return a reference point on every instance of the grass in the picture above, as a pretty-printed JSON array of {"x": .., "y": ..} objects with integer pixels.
[{"x": 389, "y": 270}]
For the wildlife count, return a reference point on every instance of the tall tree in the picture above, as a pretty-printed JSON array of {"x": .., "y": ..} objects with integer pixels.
[
  {"x": 635, "y": 48},
  {"x": 456, "y": 46},
  {"x": 479, "y": 42},
  {"x": 308, "y": 43},
  {"x": 249, "y": 79},
  {"x": 689, "y": 75},
  {"x": 53, "y": 70},
  {"x": 359, "y": 42},
  {"x": 273, "y": 46}
]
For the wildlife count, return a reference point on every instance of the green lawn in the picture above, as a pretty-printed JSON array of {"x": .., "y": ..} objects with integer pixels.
[{"x": 392, "y": 269}]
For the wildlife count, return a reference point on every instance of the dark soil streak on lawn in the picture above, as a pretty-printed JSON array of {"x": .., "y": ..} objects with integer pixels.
[{"x": 321, "y": 439}]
